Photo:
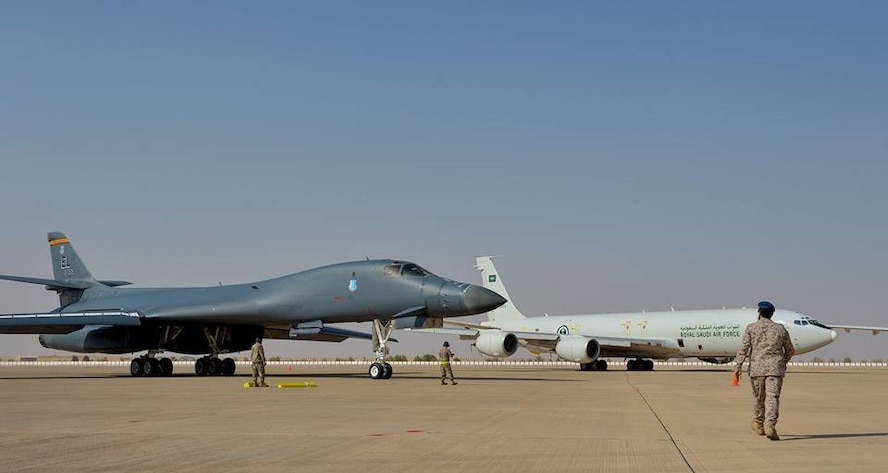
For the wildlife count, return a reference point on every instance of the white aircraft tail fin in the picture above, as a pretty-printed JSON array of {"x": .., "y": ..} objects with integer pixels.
[{"x": 490, "y": 279}]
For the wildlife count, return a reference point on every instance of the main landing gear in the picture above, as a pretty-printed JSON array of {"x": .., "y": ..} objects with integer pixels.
[
  {"x": 380, "y": 369},
  {"x": 597, "y": 365},
  {"x": 148, "y": 365},
  {"x": 639, "y": 365},
  {"x": 211, "y": 365}
]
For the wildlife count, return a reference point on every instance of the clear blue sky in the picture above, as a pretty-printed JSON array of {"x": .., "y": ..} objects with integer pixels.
[{"x": 620, "y": 156}]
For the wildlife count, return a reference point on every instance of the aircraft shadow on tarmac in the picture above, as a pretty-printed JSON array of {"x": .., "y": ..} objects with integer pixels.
[{"x": 787, "y": 437}]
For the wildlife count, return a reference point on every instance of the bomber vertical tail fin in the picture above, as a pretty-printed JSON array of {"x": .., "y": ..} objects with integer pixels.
[
  {"x": 66, "y": 265},
  {"x": 490, "y": 279}
]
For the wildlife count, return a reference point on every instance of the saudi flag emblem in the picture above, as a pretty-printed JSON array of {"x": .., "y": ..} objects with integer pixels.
[{"x": 491, "y": 278}]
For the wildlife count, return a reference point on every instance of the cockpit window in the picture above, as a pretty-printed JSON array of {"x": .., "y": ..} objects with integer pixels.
[
  {"x": 413, "y": 270},
  {"x": 393, "y": 270},
  {"x": 800, "y": 322}
]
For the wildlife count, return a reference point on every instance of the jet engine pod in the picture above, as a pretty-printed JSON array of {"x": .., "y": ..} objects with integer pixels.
[
  {"x": 97, "y": 339},
  {"x": 578, "y": 349},
  {"x": 497, "y": 343}
]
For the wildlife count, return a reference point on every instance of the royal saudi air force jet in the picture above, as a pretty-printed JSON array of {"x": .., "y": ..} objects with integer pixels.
[
  {"x": 97, "y": 316},
  {"x": 710, "y": 335}
]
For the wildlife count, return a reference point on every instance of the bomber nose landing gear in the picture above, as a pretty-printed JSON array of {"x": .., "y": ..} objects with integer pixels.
[{"x": 380, "y": 369}]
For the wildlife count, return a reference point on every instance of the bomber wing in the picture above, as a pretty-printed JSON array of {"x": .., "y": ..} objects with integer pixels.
[{"x": 56, "y": 322}]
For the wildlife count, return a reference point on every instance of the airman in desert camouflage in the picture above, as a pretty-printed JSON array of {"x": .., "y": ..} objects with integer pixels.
[
  {"x": 444, "y": 356},
  {"x": 769, "y": 348},
  {"x": 257, "y": 357}
]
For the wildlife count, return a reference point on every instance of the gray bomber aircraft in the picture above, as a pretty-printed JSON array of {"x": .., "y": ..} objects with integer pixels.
[{"x": 98, "y": 316}]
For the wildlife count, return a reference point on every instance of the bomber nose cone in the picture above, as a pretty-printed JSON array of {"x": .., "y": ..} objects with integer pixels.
[{"x": 478, "y": 299}]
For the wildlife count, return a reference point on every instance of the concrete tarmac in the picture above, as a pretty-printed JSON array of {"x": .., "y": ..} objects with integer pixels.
[{"x": 519, "y": 419}]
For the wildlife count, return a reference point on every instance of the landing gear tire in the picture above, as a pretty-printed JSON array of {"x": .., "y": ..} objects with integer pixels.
[
  {"x": 597, "y": 365},
  {"x": 228, "y": 367},
  {"x": 640, "y": 365},
  {"x": 200, "y": 366},
  {"x": 137, "y": 367},
  {"x": 166, "y": 367},
  {"x": 214, "y": 367},
  {"x": 387, "y": 368},
  {"x": 151, "y": 367},
  {"x": 377, "y": 370}
]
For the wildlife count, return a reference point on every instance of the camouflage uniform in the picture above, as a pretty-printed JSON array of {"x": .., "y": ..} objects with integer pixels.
[
  {"x": 445, "y": 355},
  {"x": 257, "y": 356},
  {"x": 770, "y": 348}
]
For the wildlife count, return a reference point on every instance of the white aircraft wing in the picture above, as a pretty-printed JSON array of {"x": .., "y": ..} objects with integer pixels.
[
  {"x": 849, "y": 328},
  {"x": 461, "y": 332},
  {"x": 611, "y": 347},
  {"x": 537, "y": 342}
]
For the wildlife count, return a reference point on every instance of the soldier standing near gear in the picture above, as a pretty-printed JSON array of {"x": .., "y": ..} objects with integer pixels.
[
  {"x": 769, "y": 348},
  {"x": 257, "y": 356},
  {"x": 445, "y": 355}
]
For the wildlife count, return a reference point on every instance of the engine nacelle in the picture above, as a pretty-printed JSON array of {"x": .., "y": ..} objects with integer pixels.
[
  {"x": 116, "y": 339},
  {"x": 578, "y": 349},
  {"x": 497, "y": 343},
  {"x": 96, "y": 339}
]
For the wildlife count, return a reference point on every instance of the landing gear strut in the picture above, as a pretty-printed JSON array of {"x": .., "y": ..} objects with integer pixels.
[
  {"x": 380, "y": 369},
  {"x": 148, "y": 365},
  {"x": 211, "y": 365}
]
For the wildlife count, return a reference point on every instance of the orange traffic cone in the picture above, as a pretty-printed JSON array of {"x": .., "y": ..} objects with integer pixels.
[{"x": 736, "y": 380}]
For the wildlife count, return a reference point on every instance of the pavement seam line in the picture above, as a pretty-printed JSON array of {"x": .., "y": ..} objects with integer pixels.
[{"x": 665, "y": 429}]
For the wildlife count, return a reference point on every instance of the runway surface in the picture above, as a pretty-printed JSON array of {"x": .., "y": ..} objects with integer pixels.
[{"x": 520, "y": 419}]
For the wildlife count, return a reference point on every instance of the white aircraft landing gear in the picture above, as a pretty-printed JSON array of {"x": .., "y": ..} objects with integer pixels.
[
  {"x": 597, "y": 365},
  {"x": 380, "y": 369},
  {"x": 639, "y": 365},
  {"x": 149, "y": 365},
  {"x": 211, "y": 365}
]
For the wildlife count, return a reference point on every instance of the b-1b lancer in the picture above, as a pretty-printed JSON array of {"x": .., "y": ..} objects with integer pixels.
[{"x": 98, "y": 316}]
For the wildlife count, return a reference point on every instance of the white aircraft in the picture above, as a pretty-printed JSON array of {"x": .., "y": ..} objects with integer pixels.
[{"x": 710, "y": 335}]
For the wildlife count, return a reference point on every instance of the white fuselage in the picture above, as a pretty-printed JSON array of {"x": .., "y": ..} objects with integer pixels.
[{"x": 694, "y": 333}]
